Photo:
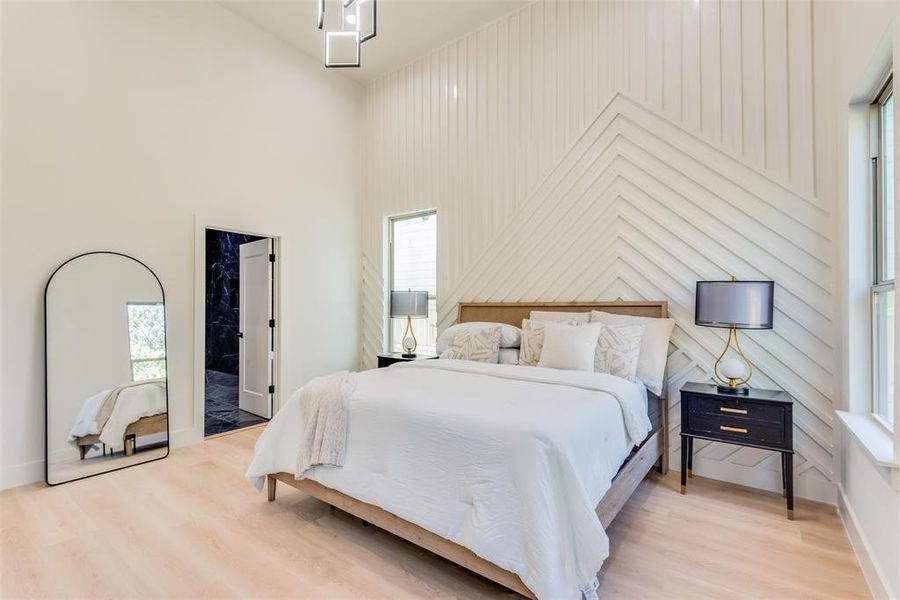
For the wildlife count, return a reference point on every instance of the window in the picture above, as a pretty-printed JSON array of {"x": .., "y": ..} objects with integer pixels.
[
  {"x": 147, "y": 340},
  {"x": 412, "y": 251},
  {"x": 883, "y": 296}
]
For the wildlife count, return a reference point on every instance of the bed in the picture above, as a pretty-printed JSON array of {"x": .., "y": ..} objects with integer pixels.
[
  {"x": 403, "y": 520},
  {"x": 142, "y": 427},
  {"x": 121, "y": 415}
]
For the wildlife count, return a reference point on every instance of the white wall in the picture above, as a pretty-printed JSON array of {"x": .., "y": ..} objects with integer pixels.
[
  {"x": 121, "y": 122},
  {"x": 859, "y": 41},
  {"x": 580, "y": 150}
]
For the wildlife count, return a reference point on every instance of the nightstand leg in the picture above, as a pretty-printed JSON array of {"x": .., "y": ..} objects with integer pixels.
[
  {"x": 783, "y": 475},
  {"x": 789, "y": 487},
  {"x": 685, "y": 451},
  {"x": 690, "y": 465}
]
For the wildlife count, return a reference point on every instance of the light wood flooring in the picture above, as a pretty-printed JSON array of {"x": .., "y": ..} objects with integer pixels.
[
  {"x": 75, "y": 468},
  {"x": 189, "y": 526}
]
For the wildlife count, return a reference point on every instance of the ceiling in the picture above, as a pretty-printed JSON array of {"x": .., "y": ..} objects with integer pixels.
[{"x": 406, "y": 30}]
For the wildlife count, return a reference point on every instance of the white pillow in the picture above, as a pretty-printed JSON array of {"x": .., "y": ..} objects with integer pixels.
[
  {"x": 533, "y": 341},
  {"x": 549, "y": 316},
  {"x": 509, "y": 356},
  {"x": 618, "y": 351},
  {"x": 654, "y": 345},
  {"x": 567, "y": 347},
  {"x": 480, "y": 345},
  {"x": 510, "y": 335}
]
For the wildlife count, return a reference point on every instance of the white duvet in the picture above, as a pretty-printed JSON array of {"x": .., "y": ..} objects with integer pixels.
[
  {"x": 132, "y": 404},
  {"x": 505, "y": 460}
]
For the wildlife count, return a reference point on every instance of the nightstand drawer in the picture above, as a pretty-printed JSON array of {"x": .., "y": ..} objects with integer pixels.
[
  {"x": 735, "y": 408},
  {"x": 735, "y": 428}
]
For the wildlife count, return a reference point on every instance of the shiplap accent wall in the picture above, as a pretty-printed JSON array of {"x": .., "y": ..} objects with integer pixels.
[{"x": 582, "y": 150}]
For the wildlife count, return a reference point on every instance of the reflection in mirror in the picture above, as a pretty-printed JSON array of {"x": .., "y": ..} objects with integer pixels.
[{"x": 107, "y": 401}]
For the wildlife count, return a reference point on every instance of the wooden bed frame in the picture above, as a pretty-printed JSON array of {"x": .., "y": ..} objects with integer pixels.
[
  {"x": 653, "y": 450},
  {"x": 143, "y": 426}
]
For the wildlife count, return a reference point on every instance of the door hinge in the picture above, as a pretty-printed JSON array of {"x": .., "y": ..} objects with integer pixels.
[
  {"x": 272, "y": 257},
  {"x": 240, "y": 334},
  {"x": 272, "y": 323},
  {"x": 271, "y": 389}
]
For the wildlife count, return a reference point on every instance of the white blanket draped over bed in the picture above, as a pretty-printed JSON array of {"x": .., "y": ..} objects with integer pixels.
[
  {"x": 110, "y": 412},
  {"x": 505, "y": 460}
]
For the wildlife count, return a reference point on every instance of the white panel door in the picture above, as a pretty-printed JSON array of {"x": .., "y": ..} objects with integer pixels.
[{"x": 255, "y": 374}]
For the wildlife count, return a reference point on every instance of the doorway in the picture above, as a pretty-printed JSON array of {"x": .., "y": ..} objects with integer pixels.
[{"x": 239, "y": 330}]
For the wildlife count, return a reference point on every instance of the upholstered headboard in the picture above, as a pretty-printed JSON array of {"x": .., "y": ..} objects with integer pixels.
[{"x": 512, "y": 313}]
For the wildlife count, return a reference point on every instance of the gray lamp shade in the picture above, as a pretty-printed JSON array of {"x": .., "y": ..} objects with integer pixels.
[
  {"x": 409, "y": 304},
  {"x": 738, "y": 304}
]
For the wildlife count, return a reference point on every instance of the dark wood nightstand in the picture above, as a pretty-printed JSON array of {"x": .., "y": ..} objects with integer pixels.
[
  {"x": 389, "y": 358},
  {"x": 760, "y": 419}
]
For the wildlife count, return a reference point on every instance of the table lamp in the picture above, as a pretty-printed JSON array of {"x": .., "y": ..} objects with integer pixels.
[
  {"x": 410, "y": 305},
  {"x": 736, "y": 305}
]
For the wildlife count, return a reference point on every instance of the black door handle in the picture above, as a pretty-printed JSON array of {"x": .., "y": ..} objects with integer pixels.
[{"x": 240, "y": 334}]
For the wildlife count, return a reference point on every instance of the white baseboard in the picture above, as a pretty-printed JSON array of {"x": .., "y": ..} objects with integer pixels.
[
  {"x": 31, "y": 472},
  {"x": 22, "y": 474},
  {"x": 873, "y": 575},
  {"x": 819, "y": 490}
]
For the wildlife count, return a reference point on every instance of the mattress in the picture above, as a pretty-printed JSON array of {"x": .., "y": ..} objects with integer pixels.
[{"x": 507, "y": 461}]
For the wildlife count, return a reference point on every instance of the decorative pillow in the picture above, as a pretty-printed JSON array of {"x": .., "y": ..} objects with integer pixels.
[
  {"x": 654, "y": 345},
  {"x": 567, "y": 347},
  {"x": 549, "y": 316},
  {"x": 533, "y": 341},
  {"x": 618, "y": 350},
  {"x": 510, "y": 335},
  {"x": 509, "y": 356},
  {"x": 481, "y": 345}
]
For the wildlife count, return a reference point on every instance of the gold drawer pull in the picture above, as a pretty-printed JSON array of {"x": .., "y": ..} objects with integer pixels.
[
  {"x": 733, "y": 429},
  {"x": 736, "y": 411}
]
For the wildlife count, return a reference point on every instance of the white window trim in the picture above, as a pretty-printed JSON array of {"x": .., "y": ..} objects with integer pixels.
[
  {"x": 879, "y": 285},
  {"x": 391, "y": 219},
  {"x": 877, "y": 442},
  {"x": 133, "y": 360}
]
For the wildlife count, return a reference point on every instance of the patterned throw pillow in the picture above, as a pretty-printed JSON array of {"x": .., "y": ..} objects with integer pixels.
[
  {"x": 481, "y": 345},
  {"x": 533, "y": 341},
  {"x": 618, "y": 350}
]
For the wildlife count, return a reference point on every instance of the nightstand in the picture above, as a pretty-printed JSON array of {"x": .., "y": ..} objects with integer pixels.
[
  {"x": 389, "y": 358},
  {"x": 760, "y": 419}
]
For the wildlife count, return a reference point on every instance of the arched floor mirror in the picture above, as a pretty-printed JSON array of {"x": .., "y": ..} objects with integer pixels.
[{"x": 105, "y": 367}]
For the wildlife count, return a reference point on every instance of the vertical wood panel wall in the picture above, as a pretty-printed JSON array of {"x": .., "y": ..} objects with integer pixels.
[{"x": 582, "y": 150}]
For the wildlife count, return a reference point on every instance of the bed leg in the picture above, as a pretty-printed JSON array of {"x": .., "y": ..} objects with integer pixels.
[
  {"x": 82, "y": 450},
  {"x": 664, "y": 437},
  {"x": 664, "y": 460},
  {"x": 270, "y": 487}
]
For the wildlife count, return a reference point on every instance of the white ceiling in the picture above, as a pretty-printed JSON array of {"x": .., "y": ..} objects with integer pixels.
[{"x": 406, "y": 30}]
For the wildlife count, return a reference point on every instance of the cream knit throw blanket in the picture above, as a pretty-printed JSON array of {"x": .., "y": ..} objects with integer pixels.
[{"x": 325, "y": 405}]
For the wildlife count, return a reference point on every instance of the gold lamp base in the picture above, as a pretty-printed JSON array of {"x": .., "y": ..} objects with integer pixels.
[
  {"x": 409, "y": 351},
  {"x": 732, "y": 385}
]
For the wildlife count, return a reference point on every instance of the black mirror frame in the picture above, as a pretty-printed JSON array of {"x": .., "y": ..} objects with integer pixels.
[{"x": 162, "y": 291}]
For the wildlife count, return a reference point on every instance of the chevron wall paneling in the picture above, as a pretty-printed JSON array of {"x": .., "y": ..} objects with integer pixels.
[{"x": 582, "y": 150}]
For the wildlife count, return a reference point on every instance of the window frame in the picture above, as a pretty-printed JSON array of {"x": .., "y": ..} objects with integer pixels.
[
  {"x": 391, "y": 221},
  {"x": 880, "y": 284},
  {"x": 131, "y": 360}
]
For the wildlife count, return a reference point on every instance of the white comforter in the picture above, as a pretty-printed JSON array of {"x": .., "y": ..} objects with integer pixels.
[
  {"x": 132, "y": 404},
  {"x": 507, "y": 461}
]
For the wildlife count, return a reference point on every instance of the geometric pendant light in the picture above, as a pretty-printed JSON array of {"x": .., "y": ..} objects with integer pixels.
[{"x": 344, "y": 37}]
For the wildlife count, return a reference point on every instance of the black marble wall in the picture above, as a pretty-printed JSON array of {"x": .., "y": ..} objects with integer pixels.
[{"x": 222, "y": 293}]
